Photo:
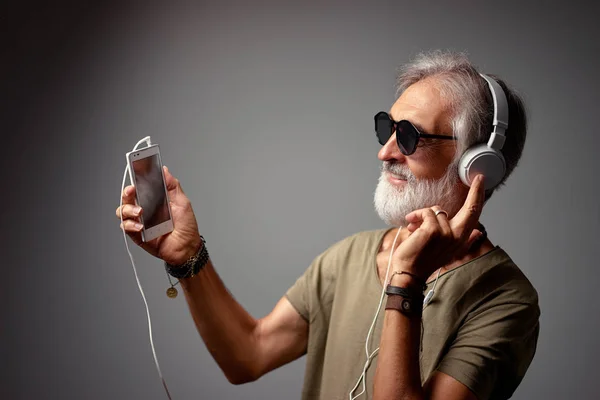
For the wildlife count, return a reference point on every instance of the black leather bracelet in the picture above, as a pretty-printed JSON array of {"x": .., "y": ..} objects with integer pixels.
[
  {"x": 404, "y": 292},
  {"x": 192, "y": 266}
]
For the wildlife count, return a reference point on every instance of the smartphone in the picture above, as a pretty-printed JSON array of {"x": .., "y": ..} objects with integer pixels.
[{"x": 146, "y": 174}]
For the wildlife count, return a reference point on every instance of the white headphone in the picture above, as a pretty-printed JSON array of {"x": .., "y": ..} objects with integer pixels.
[{"x": 486, "y": 158}]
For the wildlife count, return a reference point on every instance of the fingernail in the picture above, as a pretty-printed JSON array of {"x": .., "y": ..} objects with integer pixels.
[
  {"x": 138, "y": 226},
  {"x": 137, "y": 210}
]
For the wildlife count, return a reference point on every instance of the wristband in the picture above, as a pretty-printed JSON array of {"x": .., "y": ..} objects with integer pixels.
[
  {"x": 404, "y": 292},
  {"x": 192, "y": 266},
  {"x": 407, "y": 306},
  {"x": 415, "y": 277}
]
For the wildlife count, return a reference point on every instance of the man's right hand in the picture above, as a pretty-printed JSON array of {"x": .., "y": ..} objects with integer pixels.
[
  {"x": 175, "y": 247},
  {"x": 245, "y": 348}
]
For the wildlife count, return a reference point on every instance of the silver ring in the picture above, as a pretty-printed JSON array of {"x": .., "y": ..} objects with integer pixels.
[{"x": 441, "y": 212}]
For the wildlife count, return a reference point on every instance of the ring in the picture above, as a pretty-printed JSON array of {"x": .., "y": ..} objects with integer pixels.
[{"x": 441, "y": 212}]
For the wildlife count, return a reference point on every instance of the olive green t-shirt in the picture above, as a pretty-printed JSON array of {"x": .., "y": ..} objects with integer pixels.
[{"x": 481, "y": 327}]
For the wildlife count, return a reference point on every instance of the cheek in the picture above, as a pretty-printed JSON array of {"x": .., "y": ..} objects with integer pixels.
[{"x": 429, "y": 164}]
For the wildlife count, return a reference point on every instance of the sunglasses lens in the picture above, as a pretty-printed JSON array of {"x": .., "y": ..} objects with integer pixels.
[
  {"x": 383, "y": 127},
  {"x": 407, "y": 137}
]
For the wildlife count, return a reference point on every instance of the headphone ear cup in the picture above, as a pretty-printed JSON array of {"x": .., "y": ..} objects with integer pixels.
[{"x": 482, "y": 159}]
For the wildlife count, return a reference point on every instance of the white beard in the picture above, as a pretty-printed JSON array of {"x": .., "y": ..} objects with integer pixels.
[{"x": 392, "y": 204}]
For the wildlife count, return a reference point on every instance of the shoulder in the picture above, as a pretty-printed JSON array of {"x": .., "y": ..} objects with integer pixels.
[
  {"x": 491, "y": 281},
  {"x": 492, "y": 277},
  {"x": 313, "y": 291},
  {"x": 357, "y": 248},
  {"x": 500, "y": 278},
  {"x": 497, "y": 325}
]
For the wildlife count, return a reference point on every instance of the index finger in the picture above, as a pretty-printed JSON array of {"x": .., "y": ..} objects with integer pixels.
[
  {"x": 468, "y": 216},
  {"x": 128, "y": 195}
]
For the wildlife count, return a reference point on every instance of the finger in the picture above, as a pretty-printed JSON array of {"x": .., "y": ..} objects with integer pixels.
[
  {"x": 131, "y": 226},
  {"x": 129, "y": 211},
  {"x": 429, "y": 219},
  {"x": 128, "y": 195},
  {"x": 442, "y": 218},
  {"x": 467, "y": 217},
  {"x": 473, "y": 238},
  {"x": 413, "y": 226},
  {"x": 467, "y": 246},
  {"x": 171, "y": 182},
  {"x": 418, "y": 216},
  {"x": 415, "y": 216},
  {"x": 136, "y": 237},
  {"x": 475, "y": 235}
]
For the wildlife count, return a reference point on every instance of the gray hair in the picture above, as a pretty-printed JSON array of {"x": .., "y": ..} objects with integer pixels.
[{"x": 471, "y": 102}]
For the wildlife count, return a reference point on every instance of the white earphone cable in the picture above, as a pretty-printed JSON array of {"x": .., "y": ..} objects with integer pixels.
[
  {"x": 430, "y": 294},
  {"x": 148, "y": 142},
  {"x": 370, "y": 357}
]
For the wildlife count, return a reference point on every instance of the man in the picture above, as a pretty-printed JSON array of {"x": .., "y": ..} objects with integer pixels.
[{"x": 479, "y": 326}]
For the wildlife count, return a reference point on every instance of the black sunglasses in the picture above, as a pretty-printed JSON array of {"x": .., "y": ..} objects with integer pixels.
[{"x": 407, "y": 136}]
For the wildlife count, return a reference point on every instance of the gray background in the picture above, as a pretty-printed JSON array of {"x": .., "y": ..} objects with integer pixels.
[{"x": 264, "y": 112}]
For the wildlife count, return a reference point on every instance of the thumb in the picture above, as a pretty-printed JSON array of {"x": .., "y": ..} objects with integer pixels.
[
  {"x": 466, "y": 247},
  {"x": 475, "y": 235},
  {"x": 171, "y": 182}
]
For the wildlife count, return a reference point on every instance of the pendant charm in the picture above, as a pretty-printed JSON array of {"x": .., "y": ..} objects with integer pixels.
[{"x": 171, "y": 292}]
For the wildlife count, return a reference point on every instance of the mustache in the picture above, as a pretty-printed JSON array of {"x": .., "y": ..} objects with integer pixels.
[{"x": 399, "y": 170}]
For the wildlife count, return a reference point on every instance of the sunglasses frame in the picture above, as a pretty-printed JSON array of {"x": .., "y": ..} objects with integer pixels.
[{"x": 395, "y": 129}]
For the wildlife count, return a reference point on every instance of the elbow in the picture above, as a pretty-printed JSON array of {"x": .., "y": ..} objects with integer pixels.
[
  {"x": 240, "y": 378},
  {"x": 242, "y": 372}
]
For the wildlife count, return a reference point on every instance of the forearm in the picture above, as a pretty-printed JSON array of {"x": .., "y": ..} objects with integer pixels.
[
  {"x": 398, "y": 373},
  {"x": 227, "y": 329}
]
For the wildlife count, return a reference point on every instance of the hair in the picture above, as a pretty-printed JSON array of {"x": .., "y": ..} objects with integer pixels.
[{"x": 471, "y": 103}]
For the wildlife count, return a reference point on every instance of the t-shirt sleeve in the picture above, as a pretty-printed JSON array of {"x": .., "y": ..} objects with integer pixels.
[
  {"x": 313, "y": 291},
  {"x": 298, "y": 294},
  {"x": 495, "y": 344}
]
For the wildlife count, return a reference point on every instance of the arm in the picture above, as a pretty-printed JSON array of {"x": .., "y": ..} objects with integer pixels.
[
  {"x": 398, "y": 372},
  {"x": 398, "y": 375},
  {"x": 434, "y": 241},
  {"x": 245, "y": 348}
]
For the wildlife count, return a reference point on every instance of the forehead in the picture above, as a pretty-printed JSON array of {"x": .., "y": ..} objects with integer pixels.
[{"x": 423, "y": 105}]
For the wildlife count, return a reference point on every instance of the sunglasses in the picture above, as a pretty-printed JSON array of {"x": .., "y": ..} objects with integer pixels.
[{"x": 407, "y": 136}]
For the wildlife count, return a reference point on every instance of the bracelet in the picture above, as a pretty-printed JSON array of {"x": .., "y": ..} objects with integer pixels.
[
  {"x": 409, "y": 307},
  {"x": 192, "y": 266},
  {"x": 404, "y": 292},
  {"x": 415, "y": 277}
]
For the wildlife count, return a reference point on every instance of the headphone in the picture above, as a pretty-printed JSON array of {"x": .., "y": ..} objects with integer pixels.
[{"x": 487, "y": 158}]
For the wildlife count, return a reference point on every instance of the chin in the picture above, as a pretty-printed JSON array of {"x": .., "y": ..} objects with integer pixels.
[
  {"x": 393, "y": 203},
  {"x": 389, "y": 202}
]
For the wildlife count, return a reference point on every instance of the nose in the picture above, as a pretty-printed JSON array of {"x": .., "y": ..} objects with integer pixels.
[{"x": 390, "y": 151}]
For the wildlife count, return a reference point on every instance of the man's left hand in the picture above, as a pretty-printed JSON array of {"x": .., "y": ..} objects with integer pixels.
[{"x": 436, "y": 240}]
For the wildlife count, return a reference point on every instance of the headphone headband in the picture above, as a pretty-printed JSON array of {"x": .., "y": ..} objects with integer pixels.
[
  {"x": 487, "y": 159},
  {"x": 500, "y": 122}
]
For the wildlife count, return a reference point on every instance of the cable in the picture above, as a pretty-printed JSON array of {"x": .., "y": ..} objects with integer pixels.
[
  {"x": 430, "y": 294},
  {"x": 372, "y": 355},
  {"x": 148, "y": 143}
]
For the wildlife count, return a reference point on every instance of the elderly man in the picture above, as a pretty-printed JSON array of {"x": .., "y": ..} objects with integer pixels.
[{"x": 474, "y": 333}]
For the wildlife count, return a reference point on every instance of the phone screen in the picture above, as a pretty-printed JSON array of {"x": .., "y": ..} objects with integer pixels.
[{"x": 150, "y": 189}]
